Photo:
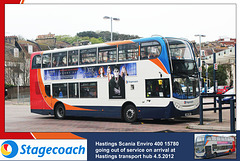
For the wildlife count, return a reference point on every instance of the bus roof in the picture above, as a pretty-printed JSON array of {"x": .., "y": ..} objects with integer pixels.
[{"x": 103, "y": 44}]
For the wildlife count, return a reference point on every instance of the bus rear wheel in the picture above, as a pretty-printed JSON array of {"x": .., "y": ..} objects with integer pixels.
[
  {"x": 60, "y": 111},
  {"x": 214, "y": 155},
  {"x": 130, "y": 113}
]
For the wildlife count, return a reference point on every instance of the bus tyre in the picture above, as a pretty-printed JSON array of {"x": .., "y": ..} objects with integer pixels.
[
  {"x": 214, "y": 155},
  {"x": 130, "y": 113},
  {"x": 60, "y": 111}
]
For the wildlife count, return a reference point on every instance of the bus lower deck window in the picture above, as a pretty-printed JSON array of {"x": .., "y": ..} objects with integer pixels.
[
  {"x": 88, "y": 90},
  {"x": 60, "y": 90},
  {"x": 157, "y": 88}
]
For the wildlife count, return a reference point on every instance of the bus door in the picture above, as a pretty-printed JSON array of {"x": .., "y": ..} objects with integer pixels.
[
  {"x": 208, "y": 151},
  {"x": 47, "y": 96}
]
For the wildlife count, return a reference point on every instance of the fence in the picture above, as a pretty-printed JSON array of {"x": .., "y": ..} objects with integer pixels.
[
  {"x": 22, "y": 97},
  {"x": 220, "y": 108}
]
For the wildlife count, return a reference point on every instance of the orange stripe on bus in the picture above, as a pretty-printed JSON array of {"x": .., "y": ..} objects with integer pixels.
[
  {"x": 120, "y": 42},
  {"x": 53, "y": 135},
  {"x": 207, "y": 142},
  {"x": 52, "y": 101},
  {"x": 159, "y": 64}
]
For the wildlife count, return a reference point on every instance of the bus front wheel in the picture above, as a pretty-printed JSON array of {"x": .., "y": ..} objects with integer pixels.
[
  {"x": 60, "y": 111},
  {"x": 130, "y": 113}
]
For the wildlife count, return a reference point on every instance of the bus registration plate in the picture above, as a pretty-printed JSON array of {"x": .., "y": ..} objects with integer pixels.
[{"x": 188, "y": 114}]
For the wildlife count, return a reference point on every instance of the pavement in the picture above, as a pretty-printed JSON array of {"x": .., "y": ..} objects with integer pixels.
[
  {"x": 211, "y": 119},
  {"x": 20, "y": 119}
]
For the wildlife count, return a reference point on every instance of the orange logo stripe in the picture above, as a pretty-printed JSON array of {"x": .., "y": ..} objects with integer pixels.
[
  {"x": 207, "y": 142},
  {"x": 159, "y": 64}
]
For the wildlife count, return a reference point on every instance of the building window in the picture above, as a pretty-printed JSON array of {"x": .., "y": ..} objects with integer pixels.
[
  {"x": 72, "y": 57},
  {"x": 60, "y": 90},
  {"x": 73, "y": 90},
  {"x": 107, "y": 54},
  {"x": 46, "y": 60},
  {"x": 88, "y": 90},
  {"x": 36, "y": 62},
  {"x": 88, "y": 56},
  {"x": 128, "y": 52},
  {"x": 156, "y": 88},
  {"x": 59, "y": 59},
  {"x": 150, "y": 50}
]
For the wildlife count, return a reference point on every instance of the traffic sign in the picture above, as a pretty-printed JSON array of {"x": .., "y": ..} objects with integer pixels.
[
  {"x": 200, "y": 69},
  {"x": 215, "y": 66}
]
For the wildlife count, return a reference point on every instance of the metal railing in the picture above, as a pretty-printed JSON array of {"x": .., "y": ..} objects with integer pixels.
[
  {"x": 220, "y": 108},
  {"x": 232, "y": 115},
  {"x": 23, "y": 98}
]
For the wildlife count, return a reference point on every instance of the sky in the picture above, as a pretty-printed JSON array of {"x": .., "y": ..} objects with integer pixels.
[{"x": 144, "y": 20}]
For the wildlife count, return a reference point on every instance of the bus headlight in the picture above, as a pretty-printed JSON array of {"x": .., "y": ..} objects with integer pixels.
[{"x": 177, "y": 105}]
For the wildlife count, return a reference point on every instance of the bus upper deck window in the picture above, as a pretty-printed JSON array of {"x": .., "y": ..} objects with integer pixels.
[
  {"x": 150, "y": 50},
  {"x": 73, "y": 58},
  {"x": 180, "y": 50},
  {"x": 46, "y": 60},
  {"x": 107, "y": 54},
  {"x": 88, "y": 56},
  {"x": 36, "y": 62},
  {"x": 59, "y": 59},
  {"x": 128, "y": 52}
]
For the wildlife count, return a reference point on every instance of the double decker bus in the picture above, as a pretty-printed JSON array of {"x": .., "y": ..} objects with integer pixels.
[
  {"x": 207, "y": 146},
  {"x": 152, "y": 77}
]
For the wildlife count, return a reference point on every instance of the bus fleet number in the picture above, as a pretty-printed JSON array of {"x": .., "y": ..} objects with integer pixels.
[
  {"x": 166, "y": 143},
  {"x": 171, "y": 143}
]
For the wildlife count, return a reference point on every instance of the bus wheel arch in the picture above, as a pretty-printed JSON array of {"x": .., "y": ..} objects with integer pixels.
[
  {"x": 214, "y": 155},
  {"x": 129, "y": 112},
  {"x": 59, "y": 110}
]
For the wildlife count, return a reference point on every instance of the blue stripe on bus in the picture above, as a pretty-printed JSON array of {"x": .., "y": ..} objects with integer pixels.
[
  {"x": 163, "y": 56},
  {"x": 115, "y": 112}
]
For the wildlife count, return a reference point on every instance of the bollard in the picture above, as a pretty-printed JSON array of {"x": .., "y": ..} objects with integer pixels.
[
  {"x": 215, "y": 104},
  {"x": 201, "y": 110},
  {"x": 220, "y": 107},
  {"x": 232, "y": 115}
]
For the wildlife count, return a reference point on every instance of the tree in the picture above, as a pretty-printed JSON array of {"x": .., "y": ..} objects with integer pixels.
[
  {"x": 221, "y": 74},
  {"x": 68, "y": 38},
  {"x": 71, "y": 40},
  {"x": 106, "y": 35},
  {"x": 88, "y": 34},
  {"x": 96, "y": 40}
]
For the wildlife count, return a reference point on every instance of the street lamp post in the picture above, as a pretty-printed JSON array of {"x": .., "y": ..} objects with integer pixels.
[
  {"x": 111, "y": 18},
  {"x": 200, "y": 61}
]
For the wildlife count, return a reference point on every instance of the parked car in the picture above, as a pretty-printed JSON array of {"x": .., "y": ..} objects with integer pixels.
[
  {"x": 209, "y": 90},
  {"x": 222, "y": 89},
  {"x": 226, "y": 100}
]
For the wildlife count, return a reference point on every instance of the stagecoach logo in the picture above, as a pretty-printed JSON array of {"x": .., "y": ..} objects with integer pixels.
[
  {"x": 44, "y": 149},
  {"x": 9, "y": 149},
  {"x": 188, "y": 102}
]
